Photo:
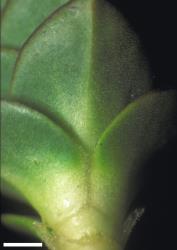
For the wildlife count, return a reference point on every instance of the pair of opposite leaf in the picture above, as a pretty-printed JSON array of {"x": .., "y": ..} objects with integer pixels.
[{"x": 78, "y": 120}]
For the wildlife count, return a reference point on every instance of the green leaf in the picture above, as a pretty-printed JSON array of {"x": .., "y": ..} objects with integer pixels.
[
  {"x": 31, "y": 227},
  {"x": 79, "y": 66},
  {"x": 42, "y": 161},
  {"x": 22, "y": 224},
  {"x": 8, "y": 58},
  {"x": 22, "y": 17},
  {"x": 139, "y": 130},
  {"x": 3, "y": 3},
  {"x": 84, "y": 65}
]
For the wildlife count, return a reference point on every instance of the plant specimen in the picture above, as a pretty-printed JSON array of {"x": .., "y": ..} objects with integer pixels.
[{"x": 78, "y": 121}]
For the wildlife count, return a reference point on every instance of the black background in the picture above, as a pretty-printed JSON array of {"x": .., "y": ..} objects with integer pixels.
[{"x": 156, "y": 25}]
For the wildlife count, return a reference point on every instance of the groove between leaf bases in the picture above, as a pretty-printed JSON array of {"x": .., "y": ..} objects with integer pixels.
[
  {"x": 90, "y": 166},
  {"x": 69, "y": 131}
]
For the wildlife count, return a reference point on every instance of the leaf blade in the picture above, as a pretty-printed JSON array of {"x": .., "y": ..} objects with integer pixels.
[
  {"x": 21, "y": 19},
  {"x": 22, "y": 224},
  {"x": 72, "y": 60},
  {"x": 143, "y": 127},
  {"x": 8, "y": 59},
  {"x": 42, "y": 161}
]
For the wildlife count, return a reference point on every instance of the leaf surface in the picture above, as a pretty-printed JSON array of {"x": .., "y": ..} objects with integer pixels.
[
  {"x": 3, "y": 3},
  {"x": 8, "y": 58},
  {"x": 22, "y": 17},
  {"x": 88, "y": 66},
  {"x": 22, "y": 224},
  {"x": 41, "y": 160},
  {"x": 140, "y": 130}
]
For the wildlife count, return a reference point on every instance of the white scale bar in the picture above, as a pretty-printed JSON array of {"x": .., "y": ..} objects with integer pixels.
[{"x": 22, "y": 244}]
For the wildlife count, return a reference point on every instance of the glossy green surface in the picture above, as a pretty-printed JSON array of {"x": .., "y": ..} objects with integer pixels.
[
  {"x": 78, "y": 123},
  {"x": 22, "y": 17},
  {"x": 78, "y": 71},
  {"x": 39, "y": 154},
  {"x": 22, "y": 224}
]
